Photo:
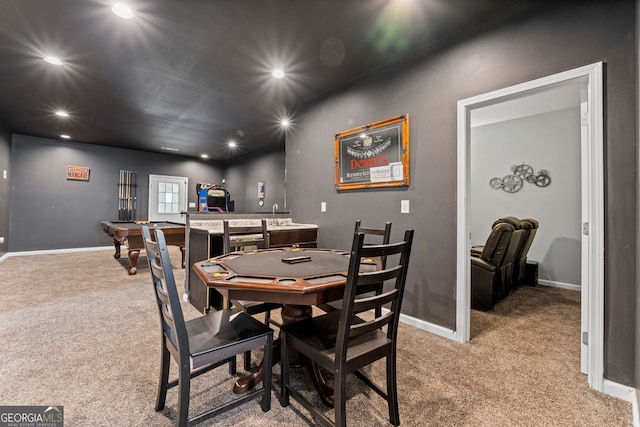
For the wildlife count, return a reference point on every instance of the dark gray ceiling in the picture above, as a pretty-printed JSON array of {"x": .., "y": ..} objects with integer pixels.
[{"x": 192, "y": 74}]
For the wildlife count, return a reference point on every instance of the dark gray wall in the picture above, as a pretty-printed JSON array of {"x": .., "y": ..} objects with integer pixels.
[
  {"x": 242, "y": 182},
  {"x": 565, "y": 36},
  {"x": 49, "y": 212},
  {"x": 5, "y": 150},
  {"x": 637, "y": 323}
]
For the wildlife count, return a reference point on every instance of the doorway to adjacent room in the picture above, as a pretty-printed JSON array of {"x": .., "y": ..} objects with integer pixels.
[{"x": 590, "y": 81}]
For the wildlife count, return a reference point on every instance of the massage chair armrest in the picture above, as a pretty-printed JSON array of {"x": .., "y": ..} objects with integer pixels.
[
  {"x": 480, "y": 263},
  {"x": 476, "y": 251}
]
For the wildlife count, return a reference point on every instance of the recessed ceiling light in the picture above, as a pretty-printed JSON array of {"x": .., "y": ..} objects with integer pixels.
[
  {"x": 232, "y": 144},
  {"x": 62, "y": 113},
  {"x": 204, "y": 156},
  {"x": 122, "y": 10},
  {"x": 53, "y": 60},
  {"x": 284, "y": 123},
  {"x": 278, "y": 74},
  {"x": 63, "y": 136},
  {"x": 169, "y": 149}
]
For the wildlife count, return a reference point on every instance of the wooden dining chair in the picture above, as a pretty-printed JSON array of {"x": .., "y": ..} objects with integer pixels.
[
  {"x": 342, "y": 342},
  {"x": 383, "y": 236},
  {"x": 201, "y": 344},
  {"x": 380, "y": 235},
  {"x": 240, "y": 237}
]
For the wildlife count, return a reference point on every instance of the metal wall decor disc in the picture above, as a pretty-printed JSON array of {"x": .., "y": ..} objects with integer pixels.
[
  {"x": 523, "y": 171},
  {"x": 511, "y": 183},
  {"x": 496, "y": 183},
  {"x": 543, "y": 180}
]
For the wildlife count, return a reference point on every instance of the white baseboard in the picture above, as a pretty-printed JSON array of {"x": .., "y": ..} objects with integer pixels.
[
  {"x": 553, "y": 284},
  {"x": 429, "y": 327},
  {"x": 626, "y": 393},
  {"x": 55, "y": 251}
]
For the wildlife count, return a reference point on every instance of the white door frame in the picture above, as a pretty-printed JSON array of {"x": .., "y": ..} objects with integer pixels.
[
  {"x": 592, "y": 212},
  {"x": 152, "y": 210}
]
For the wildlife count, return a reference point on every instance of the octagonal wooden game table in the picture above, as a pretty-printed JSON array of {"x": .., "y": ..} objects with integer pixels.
[{"x": 282, "y": 276}]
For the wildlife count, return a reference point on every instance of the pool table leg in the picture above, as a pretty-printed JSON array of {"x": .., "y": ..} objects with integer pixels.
[
  {"x": 183, "y": 250},
  {"x": 117, "y": 246},
  {"x": 133, "y": 261}
]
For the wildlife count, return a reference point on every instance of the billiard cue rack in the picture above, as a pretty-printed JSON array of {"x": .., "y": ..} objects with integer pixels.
[{"x": 127, "y": 199}]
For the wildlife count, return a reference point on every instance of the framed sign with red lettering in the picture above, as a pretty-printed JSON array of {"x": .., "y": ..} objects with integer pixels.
[{"x": 374, "y": 155}]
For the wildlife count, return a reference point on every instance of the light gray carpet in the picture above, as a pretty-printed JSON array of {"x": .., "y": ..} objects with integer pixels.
[{"x": 77, "y": 331}]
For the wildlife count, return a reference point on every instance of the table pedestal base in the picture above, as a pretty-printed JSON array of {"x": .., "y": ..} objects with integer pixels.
[{"x": 290, "y": 314}]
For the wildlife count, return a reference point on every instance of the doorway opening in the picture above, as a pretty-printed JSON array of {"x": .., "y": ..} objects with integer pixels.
[{"x": 590, "y": 80}]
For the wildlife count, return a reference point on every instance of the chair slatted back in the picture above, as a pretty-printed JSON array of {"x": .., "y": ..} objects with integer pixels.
[
  {"x": 166, "y": 292},
  {"x": 383, "y": 233},
  {"x": 352, "y": 327},
  {"x": 254, "y": 235}
]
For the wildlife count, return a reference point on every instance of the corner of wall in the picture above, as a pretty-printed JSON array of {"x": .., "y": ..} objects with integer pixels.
[{"x": 5, "y": 156}]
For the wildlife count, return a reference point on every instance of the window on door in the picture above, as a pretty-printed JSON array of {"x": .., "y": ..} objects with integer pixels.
[{"x": 168, "y": 197}]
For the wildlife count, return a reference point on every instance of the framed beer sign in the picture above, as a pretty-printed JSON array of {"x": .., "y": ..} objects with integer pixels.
[{"x": 374, "y": 155}]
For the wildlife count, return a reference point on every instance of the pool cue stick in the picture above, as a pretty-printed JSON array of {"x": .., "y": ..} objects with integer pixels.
[
  {"x": 129, "y": 194},
  {"x": 124, "y": 200},
  {"x": 120, "y": 195},
  {"x": 134, "y": 194},
  {"x": 126, "y": 189}
]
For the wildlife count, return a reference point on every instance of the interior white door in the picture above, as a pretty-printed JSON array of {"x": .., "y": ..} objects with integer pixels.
[{"x": 167, "y": 198}]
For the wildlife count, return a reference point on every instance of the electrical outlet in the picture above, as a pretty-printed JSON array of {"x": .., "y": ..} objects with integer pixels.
[
  {"x": 404, "y": 206},
  {"x": 323, "y": 207},
  {"x": 192, "y": 204}
]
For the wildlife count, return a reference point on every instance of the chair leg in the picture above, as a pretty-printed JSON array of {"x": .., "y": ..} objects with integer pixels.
[
  {"x": 184, "y": 386},
  {"x": 284, "y": 368},
  {"x": 247, "y": 360},
  {"x": 266, "y": 381},
  {"x": 340, "y": 400},
  {"x": 165, "y": 360},
  {"x": 392, "y": 390},
  {"x": 232, "y": 366}
]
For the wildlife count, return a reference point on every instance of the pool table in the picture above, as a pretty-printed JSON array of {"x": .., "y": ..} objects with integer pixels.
[{"x": 130, "y": 233}]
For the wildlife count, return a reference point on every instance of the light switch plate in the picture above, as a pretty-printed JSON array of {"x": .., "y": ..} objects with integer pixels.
[
  {"x": 404, "y": 206},
  {"x": 1, "y": 239},
  {"x": 192, "y": 204},
  {"x": 4, "y": 174},
  {"x": 323, "y": 206}
]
